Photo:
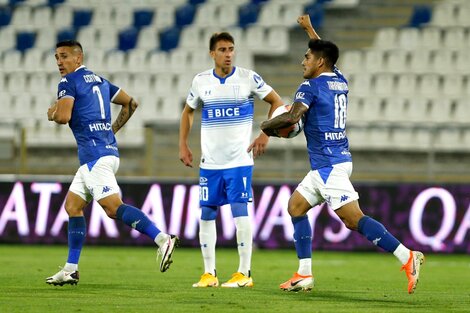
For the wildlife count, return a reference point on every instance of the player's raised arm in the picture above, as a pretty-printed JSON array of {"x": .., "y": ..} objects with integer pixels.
[
  {"x": 304, "y": 22},
  {"x": 129, "y": 105}
]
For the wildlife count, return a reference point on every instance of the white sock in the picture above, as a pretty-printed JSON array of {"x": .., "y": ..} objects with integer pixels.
[
  {"x": 161, "y": 238},
  {"x": 244, "y": 243},
  {"x": 208, "y": 239},
  {"x": 70, "y": 267},
  {"x": 305, "y": 267},
  {"x": 402, "y": 253}
]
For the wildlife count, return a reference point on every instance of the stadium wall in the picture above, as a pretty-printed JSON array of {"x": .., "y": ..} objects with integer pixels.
[{"x": 423, "y": 217}]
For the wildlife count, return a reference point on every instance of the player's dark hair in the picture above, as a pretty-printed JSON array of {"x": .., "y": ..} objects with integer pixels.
[
  {"x": 69, "y": 43},
  {"x": 216, "y": 37},
  {"x": 326, "y": 49}
]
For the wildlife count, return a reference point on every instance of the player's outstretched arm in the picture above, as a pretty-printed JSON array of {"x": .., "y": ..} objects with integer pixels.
[
  {"x": 306, "y": 24},
  {"x": 129, "y": 105}
]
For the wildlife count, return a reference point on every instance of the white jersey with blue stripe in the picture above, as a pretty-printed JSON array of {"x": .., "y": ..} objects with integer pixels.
[
  {"x": 227, "y": 115},
  {"x": 326, "y": 97},
  {"x": 91, "y": 114}
]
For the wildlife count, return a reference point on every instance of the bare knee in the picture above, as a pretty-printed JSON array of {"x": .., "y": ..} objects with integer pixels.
[{"x": 350, "y": 214}]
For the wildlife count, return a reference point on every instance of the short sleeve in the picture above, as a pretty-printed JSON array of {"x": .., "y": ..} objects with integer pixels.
[
  {"x": 65, "y": 89},
  {"x": 306, "y": 93},
  {"x": 193, "y": 98},
  {"x": 259, "y": 86}
]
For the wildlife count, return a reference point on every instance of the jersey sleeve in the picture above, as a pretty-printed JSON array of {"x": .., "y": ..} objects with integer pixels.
[
  {"x": 259, "y": 86},
  {"x": 113, "y": 91},
  {"x": 193, "y": 99},
  {"x": 66, "y": 89},
  {"x": 306, "y": 93}
]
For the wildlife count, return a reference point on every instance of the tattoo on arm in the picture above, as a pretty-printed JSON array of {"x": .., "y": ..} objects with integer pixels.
[{"x": 124, "y": 115}]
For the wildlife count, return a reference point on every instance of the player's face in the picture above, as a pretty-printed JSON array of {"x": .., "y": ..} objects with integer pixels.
[
  {"x": 311, "y": 64},
  {"x": 223, "y": 55},
  {"x": 68, "y": 59}
]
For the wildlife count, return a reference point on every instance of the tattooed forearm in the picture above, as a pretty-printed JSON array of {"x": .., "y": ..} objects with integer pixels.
[{"x": 124, "y": 115}]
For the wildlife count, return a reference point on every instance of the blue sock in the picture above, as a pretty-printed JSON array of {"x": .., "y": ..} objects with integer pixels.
[
  {"x": 302, "y": 237},
  {"x": 137, "y": 219},
  {"x": 376, "y": 233},
  {"x": 76, "y": 238}
]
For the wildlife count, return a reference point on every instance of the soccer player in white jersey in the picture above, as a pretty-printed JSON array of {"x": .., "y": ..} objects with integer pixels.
[
  {"x": 84, "y": 102},
  {"x": 225, "y": 95},
  {"x": 322, "y": 100}
]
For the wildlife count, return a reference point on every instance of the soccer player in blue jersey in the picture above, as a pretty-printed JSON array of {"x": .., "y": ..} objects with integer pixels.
[
  {"x": 226, "y": 97},
  {"x": 322, "y": 100},
  {"x": 83, "y": 101}
]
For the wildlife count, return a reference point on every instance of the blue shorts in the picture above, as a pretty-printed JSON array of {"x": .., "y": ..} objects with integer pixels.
[{"x": 220, "y": 187}]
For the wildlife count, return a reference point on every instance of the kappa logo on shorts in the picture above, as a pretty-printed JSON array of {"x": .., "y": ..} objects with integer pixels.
[
  {"x": 106, "y": 189},
  {"x": 344, "y": 198}
]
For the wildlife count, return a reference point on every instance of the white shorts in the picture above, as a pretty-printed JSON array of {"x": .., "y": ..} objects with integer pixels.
[
  {"x": 99, "y": 181},
  {"x": 333, "y": 187}
]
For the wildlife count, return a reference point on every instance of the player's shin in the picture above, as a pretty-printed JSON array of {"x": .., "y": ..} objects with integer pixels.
[
  {"x": 303, "y": 243},
  {"x": 376, "y": 233},
  {"x": 76, "y": 238},
  {"x": 244, "y": 243}
]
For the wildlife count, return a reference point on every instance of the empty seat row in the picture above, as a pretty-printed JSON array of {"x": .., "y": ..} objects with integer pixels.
[
  {"x": 451, "y": 13},
  {"x": 427, "y": 86},
  {"x": 400, "y": 61},
  {"x": 407, "y": 112}
]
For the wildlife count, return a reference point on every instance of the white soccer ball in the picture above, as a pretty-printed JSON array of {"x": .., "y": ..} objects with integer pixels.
[{"x": 290, "y": 131}]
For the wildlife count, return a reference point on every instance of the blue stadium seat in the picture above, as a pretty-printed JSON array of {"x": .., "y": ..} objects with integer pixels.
[
  {"x": 169, "y": 38},
  {"x": 25, "y": 40},
  {"x": 15, "y": 2},
  {"x": 5, "y": 16},
  {"x": 185, "y": 15},
  {"x": 248, "y": 14},
  {"x": 128, "y": 39},
  {"x": 66, "y": 34},
  {"x": 421, "y": 15},
  {"x": 317, "y": 14},
  {"x": 142, "y": 18},
  {"x": 81, "y": 18},
  {"x": 53, "y": 3},
  {"x": 196, "y": 2}
]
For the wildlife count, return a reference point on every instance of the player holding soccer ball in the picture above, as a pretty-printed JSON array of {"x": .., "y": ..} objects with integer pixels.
[
  {"x": 225, "y": 95},
  {"x": 83, "y": 101},
  {"x": 322, "y": 99}
]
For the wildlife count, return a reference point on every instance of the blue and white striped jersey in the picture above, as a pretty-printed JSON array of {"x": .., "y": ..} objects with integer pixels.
[
  {"x": 326, "y": 97},
  {"x": 227, "y": 115},
  {"x": 91, "y": 115}
]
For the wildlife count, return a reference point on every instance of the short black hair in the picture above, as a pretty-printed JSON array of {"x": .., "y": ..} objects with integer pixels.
[
  {"x": 69, "y": 43},
  {"x": 216, "y": 37},
  {"x": 326, "y": 49}
]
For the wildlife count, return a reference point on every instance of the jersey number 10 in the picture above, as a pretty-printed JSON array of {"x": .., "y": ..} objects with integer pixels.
[{"x": 340, "y": 110}]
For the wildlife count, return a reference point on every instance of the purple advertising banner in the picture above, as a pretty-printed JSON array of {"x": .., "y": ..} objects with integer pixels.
[{"x": 421, "y": 216}]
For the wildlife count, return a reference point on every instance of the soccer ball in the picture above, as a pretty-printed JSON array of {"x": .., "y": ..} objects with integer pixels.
[{"x": 290, "y": 131}]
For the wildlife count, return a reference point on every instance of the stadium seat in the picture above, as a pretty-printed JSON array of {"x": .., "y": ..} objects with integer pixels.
[
  {"x": 21, "y": 17},
  {"x": 384, "y": 85},
  {"x": 379, "y": 138},
  {"x": 455, "y": 38},
  {"x": 402, "y": 139},
  {"x": 442, "y": 111},
  {"x": 191, "y": 38},
  {"x": 148, "y": 39},
  {"x": 418, "y": 111},
  {"x": 290, "y": 13},
  {"x": 206, "y": 15},
  {"x": 46, "y": 38},
  {"x": 351, "y": 62},
  {"x": 360, "y": 84},
  {"x": 37, "y": 83},
  {"x": 67, "y": 34},
  {"x": 463, "y": 16},
  {"x": 396, "y": 62},
  {"x": 5, "y": 16},
  {"x": 7, "y": 38},
  {"x": 200, "y": 61},
  {"x": 227, "y": 15},
  {"x": 16, "y": 83},
  {"x": 81, "y": 18},
  {"x": 107, "y": 37},
  {"x": 164, "y": 17},
  {"x": 453, "y": 86},
  {"x": 355, "y": 111},
  {"x": 462, "y": 62},
  {"x": 278, "y": 41},
  {"x": 408, "y": 38},
  {"x": 316, "y": 13},
  {"x": 128, "y": 39},
  {"x": 462, "y": 110},
  {"x": 394, "y": 110},
  {"x": 184, "y": 15},
  {"x": 270, "y": 14},
  {"x": 373, "y": 109},
  {"x": 406, "y": 85},
  {"x": 115, "y": 61},
  {"x": 429, "y": 86},
  {"x": 420, "y": 61},
  {"x": 253, "y": 36},
  {"x": 88, "y": 36},
  {"x": 141, "y": 84},
  {"x": 137, "y": 61},
  {"x": 421, "y": 15},
  {"x": 164, "y": 84},
  {"x": 143, "y": 18},
  {"x": 169, "y": 39},
  {"x": 443, "y": 15},
  {"x": 25, "y": 40},
  {"x": 248, "y": 14},
  {"x": 179, "y": 60},
  {"x": 373, "y": 61},
  {"x": 42, "y": 17},
  {"x": 449, "y": 139},
  {"x": 386, "y": 38},
  {"x": 158, "y": 62},
  {"x": 102, "y": 16},
  {"x": 33, "y": 60},
  {"x": 63, "y": 17},
  {"x": 430, "y": 38},
  {"x": 122, "y": 18}
]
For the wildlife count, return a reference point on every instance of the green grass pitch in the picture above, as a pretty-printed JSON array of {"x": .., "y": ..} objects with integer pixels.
[{"x": 126, "y": 279}]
